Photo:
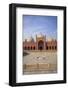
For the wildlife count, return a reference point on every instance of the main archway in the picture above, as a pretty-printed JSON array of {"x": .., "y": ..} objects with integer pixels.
[{"x": 40, "y": 45}]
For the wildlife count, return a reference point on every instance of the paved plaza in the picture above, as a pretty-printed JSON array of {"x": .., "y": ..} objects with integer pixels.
[{"x": 40, "y": 62}]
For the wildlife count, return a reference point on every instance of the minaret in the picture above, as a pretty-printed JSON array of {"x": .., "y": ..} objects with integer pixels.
[
  {"x": 36, "y": 43},
  {"x": 25, "y": 40},
  {"x": 45, "y": 42}
]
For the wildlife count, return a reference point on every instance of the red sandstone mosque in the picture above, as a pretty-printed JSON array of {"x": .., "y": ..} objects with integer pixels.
[{"x": 40, "y": 44}]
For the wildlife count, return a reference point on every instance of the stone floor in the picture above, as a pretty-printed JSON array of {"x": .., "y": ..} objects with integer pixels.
[{"x": 40, "y": 58}]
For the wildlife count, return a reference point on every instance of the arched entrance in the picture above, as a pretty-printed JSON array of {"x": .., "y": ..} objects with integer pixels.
[{"x": 40, "y": 45}]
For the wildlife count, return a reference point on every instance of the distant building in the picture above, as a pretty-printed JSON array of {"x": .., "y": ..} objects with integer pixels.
[{"x": 40, "y": 44}]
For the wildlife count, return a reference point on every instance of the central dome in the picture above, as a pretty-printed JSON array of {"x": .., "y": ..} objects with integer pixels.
[{"x": 40, "y": 35}]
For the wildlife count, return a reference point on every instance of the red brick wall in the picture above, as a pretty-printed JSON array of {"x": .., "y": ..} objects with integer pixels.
[{"x": 49, "y": 45}]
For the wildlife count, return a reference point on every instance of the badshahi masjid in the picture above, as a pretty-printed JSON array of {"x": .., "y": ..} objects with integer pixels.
[{"x": 41, "y": 43}]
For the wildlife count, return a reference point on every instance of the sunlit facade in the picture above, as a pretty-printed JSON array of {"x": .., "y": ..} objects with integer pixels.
[{"x": 40, "y": 44}]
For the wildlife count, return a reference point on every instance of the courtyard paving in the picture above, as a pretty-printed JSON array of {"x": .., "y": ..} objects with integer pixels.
[{"x": 40, "y": 62}]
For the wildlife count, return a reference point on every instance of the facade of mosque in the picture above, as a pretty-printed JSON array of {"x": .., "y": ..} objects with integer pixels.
[{"x": 40, "y": 44}]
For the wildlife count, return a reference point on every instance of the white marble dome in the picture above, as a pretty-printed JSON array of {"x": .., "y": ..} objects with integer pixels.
[
  {"x": 29, "y": 39},
  {"x": 40, "y": 35},
  {"x": 49, "y": 39}
]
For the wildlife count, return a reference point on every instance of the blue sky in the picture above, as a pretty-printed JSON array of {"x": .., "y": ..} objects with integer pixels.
[{"x": 33, "y": 24}]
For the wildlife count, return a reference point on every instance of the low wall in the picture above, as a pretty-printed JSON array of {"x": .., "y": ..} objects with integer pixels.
[
  {"x": 39, "y": 67},
  {"x": 40, "y": 50}
]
